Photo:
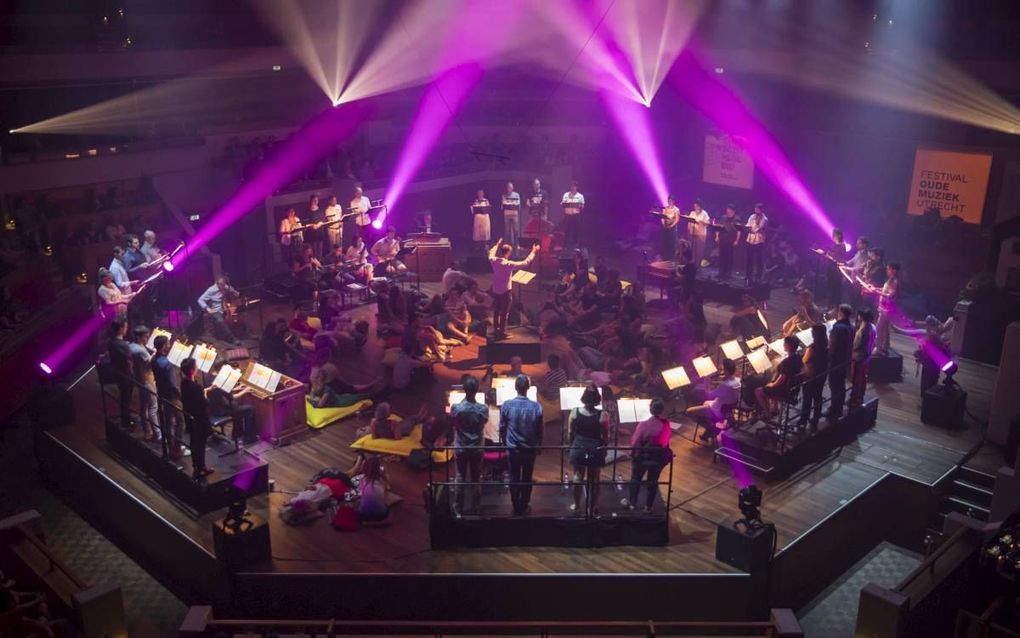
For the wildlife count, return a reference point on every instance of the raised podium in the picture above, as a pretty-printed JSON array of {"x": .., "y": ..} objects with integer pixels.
[
  {"x": 279, "y": 401},
  {"x": 431, "y": 255}
]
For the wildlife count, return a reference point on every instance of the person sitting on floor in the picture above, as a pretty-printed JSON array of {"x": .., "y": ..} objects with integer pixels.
[
  {"x": 322, "y": 395},
  {"x": 458, "y": 319},
  {"x": 374, "y": 485},
  {"x": 381, "y": 426},
  {"x": 407, "y": 368}
]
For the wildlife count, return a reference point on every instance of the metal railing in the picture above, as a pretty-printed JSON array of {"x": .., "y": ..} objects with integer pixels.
[
  {"x": 494, "y": 493},
  {"x": 782, "y": 623}
]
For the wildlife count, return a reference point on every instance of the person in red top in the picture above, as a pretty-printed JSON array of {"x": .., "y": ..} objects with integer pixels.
[
  {"x": 300, "y": 326},
  {"x": 651, "y": 453}
]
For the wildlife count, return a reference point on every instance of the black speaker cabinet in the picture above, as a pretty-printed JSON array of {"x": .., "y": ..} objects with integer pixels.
[
  {"x": 886, "y": 369},
  {"x": 748, "y": 551},
  {"x": 240, "y": 547},
  {"x": 943, "y": 405}
]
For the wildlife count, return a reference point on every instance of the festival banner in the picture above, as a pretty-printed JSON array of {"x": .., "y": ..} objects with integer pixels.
[
  {"x": 726, "y": 163},
  {"x": 954, "y": 183}
]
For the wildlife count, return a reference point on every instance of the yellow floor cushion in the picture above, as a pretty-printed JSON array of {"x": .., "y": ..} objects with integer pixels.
[
  {"x": 319, "y": 418},
  {"x": 402, "y": 447}
]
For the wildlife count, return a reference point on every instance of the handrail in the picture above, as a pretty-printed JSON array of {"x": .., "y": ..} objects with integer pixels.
[
  {"x": 928, "y": 564},
  {"x": 334, "y": 627}
]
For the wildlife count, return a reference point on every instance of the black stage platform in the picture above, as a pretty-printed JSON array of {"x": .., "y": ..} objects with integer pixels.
[
  {"x": 521, "y": 342},
  {"x": 759, "y": 448},
  {"x": 550, "y": 525},
  {"x": 232, "y": 474}
]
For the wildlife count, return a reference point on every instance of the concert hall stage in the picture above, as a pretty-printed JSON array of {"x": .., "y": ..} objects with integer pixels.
[{"x": 866, "y": 491}]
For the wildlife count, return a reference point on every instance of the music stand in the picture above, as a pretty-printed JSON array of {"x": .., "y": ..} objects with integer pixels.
[
  {"x": 570, "y": 397},
  {"x": 705, "y": 367},
  {"x": 763, "y": 320},
  {"x": 521, "y": 278},
  {"x": 755, "y": 343},
  {"x": 732, "y": 350},
  {"x": 759, "y": 360},
  {"x": 777, "y": 346},
  {"x": 676, "y": 378},
  {"x": 805, "y": 337}
]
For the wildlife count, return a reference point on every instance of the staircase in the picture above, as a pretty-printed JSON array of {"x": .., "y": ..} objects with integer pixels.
[{"x": 970, "y": 493}]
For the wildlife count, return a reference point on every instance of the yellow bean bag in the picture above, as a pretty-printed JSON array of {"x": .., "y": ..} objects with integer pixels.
[
  {"x": 402, "y": 447},
  {"x": 318, "y": 418}
]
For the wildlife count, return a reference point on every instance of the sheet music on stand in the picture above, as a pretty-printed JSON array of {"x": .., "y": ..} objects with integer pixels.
[
  {"x": 759, "y": 360},
  {"x": 676, "y": 378},
  {"x": 704, "y": 366},
  {"x": 523, "y": 277},
  {"x": 731, "y": 350},
  {"x": 178, "y": 352},
  {"x": 157, "y": 332},
  {"x": 805, "y": 337},
  {"x": 204, "y": 357},
  {"x": 454, "y": 397},
  {"x": 755, "y": 343},
  {"x": 570, "y": 397},
  {"x": 264, "y": 378},
  {"x": 634, "y": 410},
  {"x": 829, "y": 324},
  {"x": 777, "y": 346},
  {"x": 227, "y": 378},
  {"x": 504, "y": 394},
  {"x": 501, "y": 382}
]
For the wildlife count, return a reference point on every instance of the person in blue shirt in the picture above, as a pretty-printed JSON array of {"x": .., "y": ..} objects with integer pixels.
[
  {"x": 468, "y": 418},
  {"x": 520, "y": 429}
]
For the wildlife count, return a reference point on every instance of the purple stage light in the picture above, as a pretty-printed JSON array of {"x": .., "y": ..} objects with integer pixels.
[
  {"x": 949, "y": 365},
  {"x": 438, "y": 105},
  {"x": 78, "y": 338},
  {"x": 168, "y": 266},
  {"x": 45, "y": 368},
  {"x": 706, "y": 92},
  {"x": 634, "y": 124}
]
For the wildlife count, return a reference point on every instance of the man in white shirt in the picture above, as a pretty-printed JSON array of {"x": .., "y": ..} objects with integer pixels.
[
  {"x": 756, "y": 242},
  {"x": 573, "y": 204},
  {"x": 511, "y": 204},
  {"x": 334, "y": 231},
  {"x": 502, "y": 270},
  {"x": 119, "y": 272},
  {"x": 385, "y": 251},
  {"x": 360, "y": 204},
  {"x": 148, "y": 245},
  {"x": 720, "y": 401}
]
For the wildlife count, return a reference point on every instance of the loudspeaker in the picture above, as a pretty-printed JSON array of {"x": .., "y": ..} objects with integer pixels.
[
  {"x": 887, "y": 369},
  {"x": 943, "y": 405},
  {"x": 749, "y": 551},
  {"x": 238, "y": 548}
]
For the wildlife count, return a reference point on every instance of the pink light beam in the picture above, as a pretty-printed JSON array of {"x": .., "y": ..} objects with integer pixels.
[
  {"x": 706, "y": 92},
  {"x": 634, "y": 124}
]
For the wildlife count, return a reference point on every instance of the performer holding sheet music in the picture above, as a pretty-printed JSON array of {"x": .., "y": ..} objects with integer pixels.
[
  {"x": 699, "y": 221},
  {"x": 361, "y": 205},
  {"x": 670, "y": 219},
  {"x": 573, "y": 204},
  {"x": 729, "y": 237},
  {"x": 480, "y": 225},
  {"x": 511, "y": 203},
  {"x": 538, "y": 200}
]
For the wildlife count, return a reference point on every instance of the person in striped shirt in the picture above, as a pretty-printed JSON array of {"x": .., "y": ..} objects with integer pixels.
[{"x": 553, "y": 380}]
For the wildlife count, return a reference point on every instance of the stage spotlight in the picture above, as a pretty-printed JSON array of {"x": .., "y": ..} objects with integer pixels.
[
  {"x": 168, "y": 266},
  {"x": 949, "y": 368},
  {"x": 377, "y": 224},
  {"x": 45, "y": 368},
  {"x": 749, "y": 502}
]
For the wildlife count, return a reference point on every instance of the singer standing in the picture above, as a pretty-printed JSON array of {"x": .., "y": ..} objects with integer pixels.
[
  {"x": 480, "y": 224},
  {"x": 511, "y": 203},
  {"x": 573, "y": 204},
  {"x": 360, "y": 204}
]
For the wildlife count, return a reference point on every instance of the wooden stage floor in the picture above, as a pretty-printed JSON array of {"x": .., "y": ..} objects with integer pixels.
[{"x": 703, "y": 493}]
